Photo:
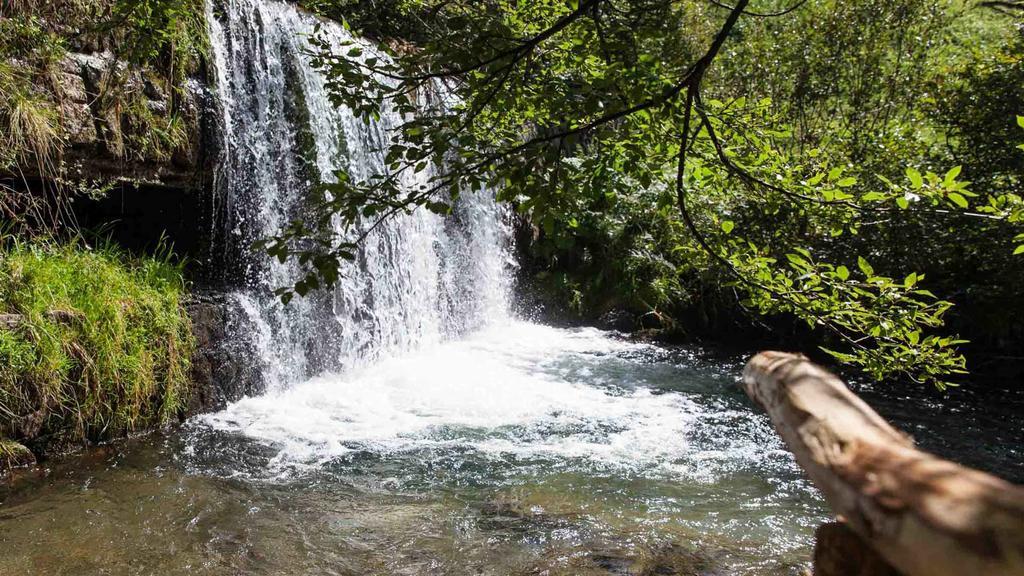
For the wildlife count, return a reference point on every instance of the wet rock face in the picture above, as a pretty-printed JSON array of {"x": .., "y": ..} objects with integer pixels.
[
  {"x": 137, "y": 159},
  {"x": 222, "y": 371},
  {"x": 75, "y": 111},
  {"x": 619, "y": 320}
]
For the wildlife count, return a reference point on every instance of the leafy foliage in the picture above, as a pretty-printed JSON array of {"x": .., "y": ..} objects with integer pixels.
[{"x": 657, "y": 148}]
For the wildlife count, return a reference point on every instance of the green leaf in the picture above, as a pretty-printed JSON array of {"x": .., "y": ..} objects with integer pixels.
[
  {"x": 798, "y": 262},
  {"x": 727, "y": 226},
  {"x": 865, "y": 267},
  {"x": 846, "y": 182},
  {"x": 841, "y": 356},
  {"x": 903, "y": 203},
  {"x": 958, "y": 199},
  {"x": 915, "y": 178},
  {"x": 843, "y": 273},
  {"x": 951, "y": 175},
  {"x": 1019, "y": 250},
  {"x": 438, "y": 207}
]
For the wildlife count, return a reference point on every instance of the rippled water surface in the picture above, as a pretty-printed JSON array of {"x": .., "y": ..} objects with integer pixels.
[{"x": 521, "y": 449}]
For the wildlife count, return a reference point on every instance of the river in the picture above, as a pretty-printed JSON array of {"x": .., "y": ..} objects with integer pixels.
[
  {"x": 411, "y": 425},
  {"x": 519, "y": 448}
]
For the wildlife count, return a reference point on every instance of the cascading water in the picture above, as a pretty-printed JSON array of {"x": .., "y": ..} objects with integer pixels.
[
  {"x": 418, "y": 280},
  {"x": 374, "y": 364}
]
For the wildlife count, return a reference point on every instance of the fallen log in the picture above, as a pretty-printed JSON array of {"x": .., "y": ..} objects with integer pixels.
[
  {"x": 839, "y": 551},
  {"x": 924, "y": 515}
]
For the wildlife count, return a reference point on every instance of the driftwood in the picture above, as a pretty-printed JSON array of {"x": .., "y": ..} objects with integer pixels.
[
  {"x": 926, "y": 516},
  {"x": 839, "y": 551}
]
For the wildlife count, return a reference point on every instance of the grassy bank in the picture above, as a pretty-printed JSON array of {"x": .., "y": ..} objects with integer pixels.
[{"x": 95, "y": 344}]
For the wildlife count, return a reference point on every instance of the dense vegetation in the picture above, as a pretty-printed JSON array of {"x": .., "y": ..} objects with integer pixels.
[
  {"x": 96, "y": 345},
  {"x": 850, "y": 165}
]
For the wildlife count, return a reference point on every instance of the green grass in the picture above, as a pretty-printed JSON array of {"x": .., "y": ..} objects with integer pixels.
[{"x": 104, "y": 346}]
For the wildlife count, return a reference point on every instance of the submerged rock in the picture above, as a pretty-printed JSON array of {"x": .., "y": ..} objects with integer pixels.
[
  {"x": 681, "y": 560},
  {"x": 610, "y": 560},
  {"x": 582, "y": 547}
]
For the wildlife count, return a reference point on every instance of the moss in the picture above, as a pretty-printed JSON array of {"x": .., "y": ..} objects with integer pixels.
[
  {"x": 14, "y": 455},
  {"x": 103, "y": 346}
]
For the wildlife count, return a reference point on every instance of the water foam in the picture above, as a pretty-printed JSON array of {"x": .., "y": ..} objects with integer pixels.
[{"x": 515, "y": 390}]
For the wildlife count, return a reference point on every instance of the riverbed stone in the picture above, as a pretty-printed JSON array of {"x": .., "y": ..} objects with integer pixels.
[
  {"x": 610, "y": 559},
  {"x": 14, "y": 455}
]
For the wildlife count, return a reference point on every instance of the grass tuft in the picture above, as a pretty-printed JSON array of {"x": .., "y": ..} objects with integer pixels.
[
  {"x": 103, "y": 345},
  {"x": 31, "y": 127},
  {"x": 14, "y": 455}
]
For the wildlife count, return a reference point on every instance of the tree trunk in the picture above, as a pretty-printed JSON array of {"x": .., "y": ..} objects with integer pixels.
[{"x": 924, "y": 515}]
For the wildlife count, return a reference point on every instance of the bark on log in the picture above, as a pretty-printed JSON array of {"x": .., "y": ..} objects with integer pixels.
[
  {"x": 839, "y": 551},
  {"x": 926, "y": 516}
]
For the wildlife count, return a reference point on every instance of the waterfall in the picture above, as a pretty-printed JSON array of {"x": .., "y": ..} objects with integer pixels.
[{"x": 419, "y": 279}]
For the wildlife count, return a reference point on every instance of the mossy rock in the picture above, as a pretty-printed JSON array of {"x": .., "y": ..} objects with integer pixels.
[{"x": 14, "y": 455}]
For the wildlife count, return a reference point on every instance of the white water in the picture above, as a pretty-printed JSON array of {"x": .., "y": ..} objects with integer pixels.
[
  {"x": 486, "y": 382},
  {"x": 514, "y": 390},
  {"x": 418, "y": 281},
  {"x": 414, "y": 351}
]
